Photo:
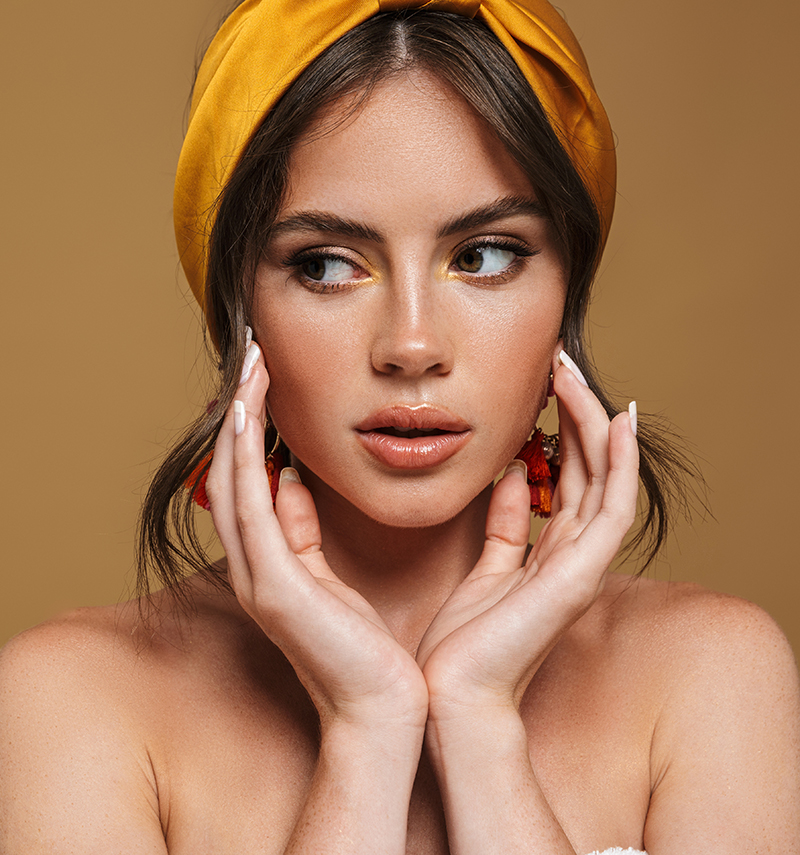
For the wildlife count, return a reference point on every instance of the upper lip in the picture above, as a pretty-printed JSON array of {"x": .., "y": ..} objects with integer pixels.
[{"x": 422, "y": 417}]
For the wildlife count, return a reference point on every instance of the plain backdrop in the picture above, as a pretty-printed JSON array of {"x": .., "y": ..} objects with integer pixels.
[{"x": 695, "y": 315}]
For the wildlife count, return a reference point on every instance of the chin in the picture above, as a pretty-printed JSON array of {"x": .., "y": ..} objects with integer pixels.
[
  {"x": 410, "y": 502},
  {"x": 413, "y": 511}
]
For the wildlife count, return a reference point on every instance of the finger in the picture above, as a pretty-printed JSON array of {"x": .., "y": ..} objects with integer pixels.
[
  {"x": 603, "y": 536},
  {"x": 585, "y": 461},
  {"x": 507, "y": 523},
  {"x": 573, "y": 474},
  {"x": 299, "y": 522},
  {"x": 258, "y": 526},
  {"x": 219, "y": 489},
  {"x": 220, "y": 482}
]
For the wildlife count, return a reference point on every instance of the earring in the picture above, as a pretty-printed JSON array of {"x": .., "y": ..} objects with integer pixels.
[
  {"x": 196, "y": 482},
  {"x": 274, "y": 463},
  {"x": 540, "y": 454}
]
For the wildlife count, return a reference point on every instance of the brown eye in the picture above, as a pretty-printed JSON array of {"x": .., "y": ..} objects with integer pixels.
[
  {"x": 470, "y": 260},
  {"x": 484, "y": 259},
  {"x": 328, "y": 268},
  {"x": 314, "y": 269}
]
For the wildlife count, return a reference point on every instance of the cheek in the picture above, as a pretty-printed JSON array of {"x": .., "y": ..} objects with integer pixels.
[
  {"x": 307, "y": 390},
  {"x": 517, "y": 351},
  {"x": 321, "y": 374}
]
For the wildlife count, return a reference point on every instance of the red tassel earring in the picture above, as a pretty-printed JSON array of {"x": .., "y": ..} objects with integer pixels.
[
  {"x": 274, "y": 464},
  {"x": 540, "y": 454},
  {"x": 196, "y": 482}
]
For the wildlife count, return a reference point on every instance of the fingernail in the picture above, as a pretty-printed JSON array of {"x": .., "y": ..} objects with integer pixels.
[
  {"x": 248, "y": 338},
  {"x": 566, "y": 360},
  {"x": 238, "y": 417},
  {"x": 250, "y": 359},
  {"x": 290, "y": 475},
  {"x": 517, "y": 467},
  {"x": 633, "y": 416}
]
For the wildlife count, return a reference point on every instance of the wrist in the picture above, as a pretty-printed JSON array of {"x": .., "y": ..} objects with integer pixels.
[
  {"x": 463, "y": 703},
  {"x": 388, "y": 748},
  {"x": 489, "y": 729},
  {"x": 376, "y": 715}
]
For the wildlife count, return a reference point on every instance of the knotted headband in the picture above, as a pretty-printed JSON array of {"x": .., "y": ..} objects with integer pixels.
[{"x": 264, "y": 45}]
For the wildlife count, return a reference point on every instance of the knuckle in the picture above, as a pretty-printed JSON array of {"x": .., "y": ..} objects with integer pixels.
[
  {"x": 259, "y": 372},
  {"x": 247, "y": 513}
]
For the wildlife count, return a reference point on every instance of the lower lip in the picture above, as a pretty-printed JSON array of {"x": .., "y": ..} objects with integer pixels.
[{"x": 421, "y": 452}]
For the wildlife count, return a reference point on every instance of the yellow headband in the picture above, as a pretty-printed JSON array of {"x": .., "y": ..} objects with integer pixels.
[{"x": 264, "y": 45}]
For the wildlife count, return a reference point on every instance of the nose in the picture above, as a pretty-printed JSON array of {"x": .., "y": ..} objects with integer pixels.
[{"x": 413, "y": 333}]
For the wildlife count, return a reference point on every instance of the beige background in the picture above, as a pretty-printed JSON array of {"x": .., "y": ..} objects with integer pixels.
[{"x": 695, "y": 314}]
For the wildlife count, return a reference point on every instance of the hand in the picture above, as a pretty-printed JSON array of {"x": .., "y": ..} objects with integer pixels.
[
  {"x": 497, "y": 627},
  {"x": 350, "y": 663}
]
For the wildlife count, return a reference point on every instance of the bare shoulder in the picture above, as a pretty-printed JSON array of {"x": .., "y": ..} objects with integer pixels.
[
  {"x": 693, "y": 640},
  {"x": 725, "y": 749},
  {"x": 689, "y": 626},
  {"x": 130, "y": 657},
  {"x": 74, "y": 738},
  {"x": 100, "y": 651},
  {"x": 74, "y": 644}
]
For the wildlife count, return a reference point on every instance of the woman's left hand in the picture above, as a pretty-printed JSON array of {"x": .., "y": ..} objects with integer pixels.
[{"x": 494, "y": 631}]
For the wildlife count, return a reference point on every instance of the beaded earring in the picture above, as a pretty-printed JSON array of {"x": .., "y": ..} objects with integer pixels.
[
  {"x": 196, "y": 482},
  {"x": 540, "y": 455}
]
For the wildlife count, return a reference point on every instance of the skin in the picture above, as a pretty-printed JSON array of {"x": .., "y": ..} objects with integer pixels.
[{"x": 426, "y": 683}]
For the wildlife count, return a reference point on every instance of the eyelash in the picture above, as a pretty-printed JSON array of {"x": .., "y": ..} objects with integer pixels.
[
  {"x": 294, "y": 263},
  {"x": 522, "y": 251}
]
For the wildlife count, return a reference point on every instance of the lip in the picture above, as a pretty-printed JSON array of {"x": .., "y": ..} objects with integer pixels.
[{"x": 419, "y": 452}]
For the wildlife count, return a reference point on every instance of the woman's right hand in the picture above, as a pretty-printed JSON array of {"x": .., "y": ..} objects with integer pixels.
[{"x": 344, "y": 654}]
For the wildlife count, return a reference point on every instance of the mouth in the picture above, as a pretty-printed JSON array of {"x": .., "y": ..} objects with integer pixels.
[
  {"x": 402, "y": 437},
  {"x": 410, "y": 433}
]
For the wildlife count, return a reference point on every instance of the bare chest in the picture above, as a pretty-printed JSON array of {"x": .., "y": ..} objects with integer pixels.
[{"x": 234, "y": 768}]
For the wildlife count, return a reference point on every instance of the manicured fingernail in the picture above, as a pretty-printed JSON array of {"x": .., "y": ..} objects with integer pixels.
[
  {"x": 517, "y": 467},
  {"x": 290, "y": 475},
  {"x": 238, "y": 417},
  {"x": 566, "y": 360},
  {"x": 633, "y": 416},
  {"x": 248, "y": 338},
  {"x": 250, "y": 359}
]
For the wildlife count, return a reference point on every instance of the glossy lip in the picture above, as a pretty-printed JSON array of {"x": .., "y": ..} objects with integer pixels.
[{"x": 421, "y": 452}]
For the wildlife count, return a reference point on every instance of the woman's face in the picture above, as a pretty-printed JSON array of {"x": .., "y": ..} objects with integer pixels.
[{"x": 411, "y": 284}]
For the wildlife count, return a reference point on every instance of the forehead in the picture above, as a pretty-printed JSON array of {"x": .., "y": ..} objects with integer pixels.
[{"x": 413, "y": 141}]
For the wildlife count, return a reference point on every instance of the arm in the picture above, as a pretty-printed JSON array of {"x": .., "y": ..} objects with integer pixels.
[
  {"x": 75, "y": 771},
  {"x": 369, "y": 692},
  {"x": 74, "y": 775},
  {"x": 492, "y": 635},
  {"x": 726, "y": 750}
]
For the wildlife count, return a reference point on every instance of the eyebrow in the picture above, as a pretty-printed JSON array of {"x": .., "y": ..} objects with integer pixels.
[
  {"x": 319, "y": 221},
  {"x": 510, "y": 206}
]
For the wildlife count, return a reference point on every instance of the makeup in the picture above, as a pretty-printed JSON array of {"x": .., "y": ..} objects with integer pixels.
[{"x": 404, "y": 437}]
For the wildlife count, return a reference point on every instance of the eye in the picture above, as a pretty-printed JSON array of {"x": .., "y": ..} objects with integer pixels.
[
  {"x": 323, "y": 270},
  {"x": 491, "y": 260},
  {"x": 484, "y": 259},
  {"x": 328, "y": 269}
]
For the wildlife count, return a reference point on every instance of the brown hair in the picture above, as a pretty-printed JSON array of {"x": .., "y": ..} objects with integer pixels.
[{"x": 465, "y": 55}]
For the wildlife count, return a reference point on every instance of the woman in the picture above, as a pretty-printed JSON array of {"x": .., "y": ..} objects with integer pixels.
[{"x": 410, "y": 234}]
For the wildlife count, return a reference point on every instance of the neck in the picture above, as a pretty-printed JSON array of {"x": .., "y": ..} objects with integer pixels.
[{"x": 406, "y": 574}]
